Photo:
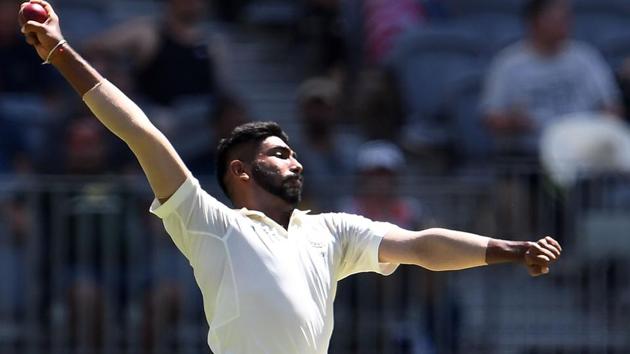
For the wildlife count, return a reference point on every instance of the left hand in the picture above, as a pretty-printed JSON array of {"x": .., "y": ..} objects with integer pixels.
[{"x": 541, "y": 254}]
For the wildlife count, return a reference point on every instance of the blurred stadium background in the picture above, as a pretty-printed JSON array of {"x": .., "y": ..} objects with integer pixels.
[{"x": 85, "y": 269}]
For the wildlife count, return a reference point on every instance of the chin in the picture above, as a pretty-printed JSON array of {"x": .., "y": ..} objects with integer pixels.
[{"x": 294, "y": 200}]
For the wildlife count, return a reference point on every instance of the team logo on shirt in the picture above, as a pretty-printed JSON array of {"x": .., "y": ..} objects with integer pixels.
[{"x": 317, "y": 244}]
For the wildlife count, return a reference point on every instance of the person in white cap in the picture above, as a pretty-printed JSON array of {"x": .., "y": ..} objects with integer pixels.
[
  {"x": 379, "y": 164},
  {"x": 267, "y": 271}
]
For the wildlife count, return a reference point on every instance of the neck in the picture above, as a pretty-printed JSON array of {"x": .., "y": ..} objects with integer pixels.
[
  {"x": 277, "y": 210},
  {"x": 545, "y": 48},
  {"x": 185, "y": 31},
  {"x": 281, "y": 217}
]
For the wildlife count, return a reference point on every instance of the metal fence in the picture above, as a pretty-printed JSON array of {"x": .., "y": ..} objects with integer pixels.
[{"x": 85, "y": 269}]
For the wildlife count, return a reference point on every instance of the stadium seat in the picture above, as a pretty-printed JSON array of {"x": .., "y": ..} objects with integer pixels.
[
  {"x": 272, "y": 12},
  {"x": 82, "y": 18},
  {"x": 615, "y": 48},
  {"x": 352, "y": 25},
  {"x": 498, "y": 29},
  {"x": 465, "y": 7},
  {"x": 190, "y": 135},
  {"x": 120, "y": 10},
  {"x": 604, "y": 234},
  {"x": 425, "y": 63},
  {"x": 596, "y": 21},
  {"x": 471, "y": 141}
]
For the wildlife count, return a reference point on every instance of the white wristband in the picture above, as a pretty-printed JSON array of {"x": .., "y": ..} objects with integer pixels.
[{"x": 50, "y": 54}]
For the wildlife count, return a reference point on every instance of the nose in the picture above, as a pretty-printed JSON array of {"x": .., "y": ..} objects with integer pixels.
[{"x": 296, "y": 166}]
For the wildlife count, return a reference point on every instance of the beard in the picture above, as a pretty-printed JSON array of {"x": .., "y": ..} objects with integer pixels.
[{"x": 283, "y": 188}]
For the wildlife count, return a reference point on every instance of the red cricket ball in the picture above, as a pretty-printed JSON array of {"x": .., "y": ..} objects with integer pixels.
[{"x": 33, "y": 12}]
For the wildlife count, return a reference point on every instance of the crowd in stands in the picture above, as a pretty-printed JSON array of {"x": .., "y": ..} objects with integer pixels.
[
  {"x": 418, "y": 62},
  {"x": 391, "y": 88}
]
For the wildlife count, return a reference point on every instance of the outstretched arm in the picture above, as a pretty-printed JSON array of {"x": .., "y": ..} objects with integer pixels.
[
  {"x": 161, "y": 164},
  {"x": 442, "y": 249}
]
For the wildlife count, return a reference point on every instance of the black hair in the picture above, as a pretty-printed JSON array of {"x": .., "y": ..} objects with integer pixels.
[
  {"x": 248, "y": 135},
  {"x": 534, "y": 8}
]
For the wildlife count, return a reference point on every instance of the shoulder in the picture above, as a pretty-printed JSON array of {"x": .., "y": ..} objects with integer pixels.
[
  {"x": 580, "y": 47},
  {"x": 336, "y": 216},
  {"x": 578, "y": 50},
  {"x": 328, "y": 219},
  {"x": 340, "y": 222},
  {"x": 514, "y": 54}
]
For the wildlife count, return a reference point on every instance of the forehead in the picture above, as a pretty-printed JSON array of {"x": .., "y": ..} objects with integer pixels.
[
  {"x": 556, "y": 7},
  {"x": 272, "y": 142}
]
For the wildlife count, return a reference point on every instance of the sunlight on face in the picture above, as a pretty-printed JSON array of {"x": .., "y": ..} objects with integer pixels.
[{"x": 277, "y": 170}]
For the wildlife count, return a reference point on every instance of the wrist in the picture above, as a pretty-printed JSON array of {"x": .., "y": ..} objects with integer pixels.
[
  {"x": 61, "y": 55},
  {"x": 56, "y": 51},
  {"x": 501, "y": 251}
]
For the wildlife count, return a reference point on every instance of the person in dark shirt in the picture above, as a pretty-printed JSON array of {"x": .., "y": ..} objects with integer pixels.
[
  {"x": 160, "y": 48},
  {"x": 17, "y": 61},
  {"x": 159, "y": 82}
]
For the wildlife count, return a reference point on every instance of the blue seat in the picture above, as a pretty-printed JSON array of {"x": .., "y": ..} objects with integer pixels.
[
  {"x": 595, "y": 21},
  {"x": 272, "y": 12},
  {"x": 465, "y": 7},
  {"x": 616, "y": 48},
  {"x": 80, "y": 23},
  {"x": 352, "y": 26},
  {"x": 425, "y": 63},
  {"x": 470, "y": 139},
  {"x": 498, "y": 29}
]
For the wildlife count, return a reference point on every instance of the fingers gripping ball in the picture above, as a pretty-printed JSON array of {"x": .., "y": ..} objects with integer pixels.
[{"x": 33, "y": 12}]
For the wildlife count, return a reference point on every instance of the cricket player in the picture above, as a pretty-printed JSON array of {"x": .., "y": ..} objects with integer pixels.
[{"x": 267, "y": 271}]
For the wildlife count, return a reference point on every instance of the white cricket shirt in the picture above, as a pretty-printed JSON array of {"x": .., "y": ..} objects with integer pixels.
[{"x": 267, "y": 290}]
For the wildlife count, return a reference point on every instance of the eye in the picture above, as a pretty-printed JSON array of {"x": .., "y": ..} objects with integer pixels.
[{"x": 281, "y": 154}]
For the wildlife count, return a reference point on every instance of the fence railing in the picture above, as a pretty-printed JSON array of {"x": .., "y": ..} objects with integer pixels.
[{"x": 84, "y": 268}]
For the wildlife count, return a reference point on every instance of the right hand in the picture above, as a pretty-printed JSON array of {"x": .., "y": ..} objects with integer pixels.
[
  {"x": 541, "y": 254},
  {"x": 43, "y": 36}
]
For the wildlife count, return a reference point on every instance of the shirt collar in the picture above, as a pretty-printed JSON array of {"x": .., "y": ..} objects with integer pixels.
[
  {"x": 255, "y": 214},
  {"x": 297, "y": 213}
]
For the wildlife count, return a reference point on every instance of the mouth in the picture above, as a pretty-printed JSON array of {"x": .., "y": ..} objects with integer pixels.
[{"x": 297, "y": 181}]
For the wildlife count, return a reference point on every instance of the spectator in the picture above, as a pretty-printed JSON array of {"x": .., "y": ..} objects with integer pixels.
[
  {"x": 320, "y": 30},
  {"x": 377, "y": 104},
  {"x": 170, "y": 296},
  {"x": 13, "y": 157},
  {"x": 384, "y": 20},
  {"x": 160, "y": 47},
  {"x": 15, "y": 230},
  {"x": 228, "y": 113},
  {"x": 322, "y": 146},
  {"x": 379, "y": 165},
  {"x": 27, "y": 97},
  {"x": 543, "y": 77},
  {"x": 17, "y": 60},
  {"x": 75, "y": 140}
]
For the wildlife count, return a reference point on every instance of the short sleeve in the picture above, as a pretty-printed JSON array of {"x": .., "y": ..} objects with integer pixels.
[
  {"x": 600, "y": 75},
  {"x": 497, "y": 93},
  {"x": 193, "y": 218},
  {"x": 358, "y": 241}
]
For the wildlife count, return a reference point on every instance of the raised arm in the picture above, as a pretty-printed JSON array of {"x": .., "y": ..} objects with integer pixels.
[
  {"x": 442, "y": 249},
  {"x": 160, "y": 162}
]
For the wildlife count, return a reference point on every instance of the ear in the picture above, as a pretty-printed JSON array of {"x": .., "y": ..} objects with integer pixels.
[{"x": 237, "y": 169}]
